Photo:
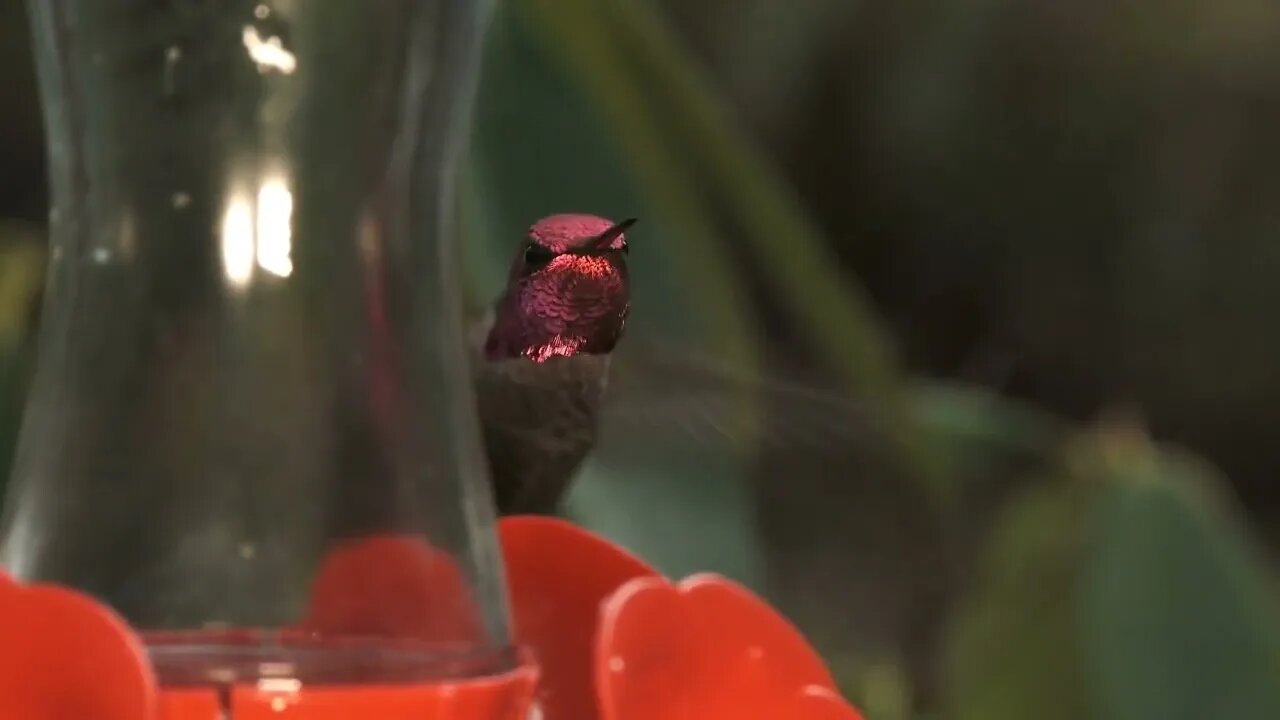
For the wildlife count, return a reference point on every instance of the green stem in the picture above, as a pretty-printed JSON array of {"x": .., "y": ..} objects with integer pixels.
[{"x": 834, "y": 311}]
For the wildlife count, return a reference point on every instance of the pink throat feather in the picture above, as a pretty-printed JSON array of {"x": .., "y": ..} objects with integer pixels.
[
  {"x": 558, "y": 346},
  {"x": 574, "y": 302}
]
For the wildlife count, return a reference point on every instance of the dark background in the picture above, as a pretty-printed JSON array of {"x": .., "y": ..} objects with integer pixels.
[{"x": 1068, "y": 208}]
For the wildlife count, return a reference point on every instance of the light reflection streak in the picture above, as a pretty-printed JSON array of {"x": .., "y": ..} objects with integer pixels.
[
  {"x": 268, "y": 54},
  {"x": 258, "y": 228},
  {"x": 237, "y": 241},
  {"x": 275, "y": 211}
]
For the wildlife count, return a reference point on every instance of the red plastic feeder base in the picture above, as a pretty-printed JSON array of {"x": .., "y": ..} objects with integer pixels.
[
  {"x": 501, "y": 697},
  {"x": 607, "y": 638},
  {"x": 64, "y": 656}
]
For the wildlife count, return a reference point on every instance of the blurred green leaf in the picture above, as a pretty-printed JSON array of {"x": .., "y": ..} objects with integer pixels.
[
  {"x": 765, "y": 212},
  {"x": 707, "y": 519},
  {"x": 1122, "y": 590},
  {"x": 22, "y": 266},
  {"x": 1177, "y": 607},
  {"x": 771, "y": 217},
  {"x": 1014, "y": 651},
  {"x": 970, "y": 425}
]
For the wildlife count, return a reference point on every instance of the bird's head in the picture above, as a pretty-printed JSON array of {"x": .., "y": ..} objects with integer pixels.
[{"x": 567, "y": 292}]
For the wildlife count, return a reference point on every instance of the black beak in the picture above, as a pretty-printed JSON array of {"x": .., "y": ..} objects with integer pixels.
[{"x": 608, "y": 236}]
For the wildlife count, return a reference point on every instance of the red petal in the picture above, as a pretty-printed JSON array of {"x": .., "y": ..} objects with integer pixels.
[
  {"x": 733, "y": 623},
  {"x": 558, "y": 575},
  {"x": 65, "y": 656},
  {"x": 393, "y": 587},
  {"x": 189, "y": 704},
  {"x": 706, "y": 648}
]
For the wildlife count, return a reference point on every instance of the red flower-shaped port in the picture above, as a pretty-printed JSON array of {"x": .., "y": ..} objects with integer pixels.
[
  {"x": 404, "y": 592},
  {"x": 706, "y": 648},
  {"x": 616, "y": 641},
  {"x": 64, "y": 656},
  {"x": 558, "y": 577},
  {"x": 392, "y": 586}
]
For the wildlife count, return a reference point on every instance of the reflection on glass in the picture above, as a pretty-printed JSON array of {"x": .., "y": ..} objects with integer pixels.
[
  {"x": 237, "y": 241},
  {"x": 260, "y": 227},
  {"x": 250, "y": 431},
  {"x": 268, "y": 53},
  {"x": 275, "y": 211}
]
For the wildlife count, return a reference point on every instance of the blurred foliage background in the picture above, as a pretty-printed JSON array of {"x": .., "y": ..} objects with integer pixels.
[{"x": 1001, "y": 274}]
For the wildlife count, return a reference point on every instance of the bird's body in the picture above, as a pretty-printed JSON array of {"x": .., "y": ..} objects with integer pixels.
[
  {"x": 539, "y": 422},
  {"x": 541, "y": 358}
]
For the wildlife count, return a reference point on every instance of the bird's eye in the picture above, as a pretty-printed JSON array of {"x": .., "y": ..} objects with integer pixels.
[
  {"x": 536, "y": 255},
  {"x": 626, "y": 248}
]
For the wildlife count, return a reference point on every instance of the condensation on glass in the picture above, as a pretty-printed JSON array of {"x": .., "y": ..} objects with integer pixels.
[{"x": 251, "y": 345}]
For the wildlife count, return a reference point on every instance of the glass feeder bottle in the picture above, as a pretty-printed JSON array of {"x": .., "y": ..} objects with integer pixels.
[{"x": 251, "y": 345}]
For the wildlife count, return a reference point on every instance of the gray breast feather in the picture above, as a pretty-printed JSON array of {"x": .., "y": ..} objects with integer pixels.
[{"x": 539, "y": 422}]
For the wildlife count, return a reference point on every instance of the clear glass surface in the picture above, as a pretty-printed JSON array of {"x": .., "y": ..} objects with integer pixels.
[{"x": 251, "y": 348}]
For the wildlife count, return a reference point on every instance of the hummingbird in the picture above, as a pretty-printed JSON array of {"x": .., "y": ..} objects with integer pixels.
[
  {"x": 548, "y": 381},
  {"x": 542, "y": 354}
]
